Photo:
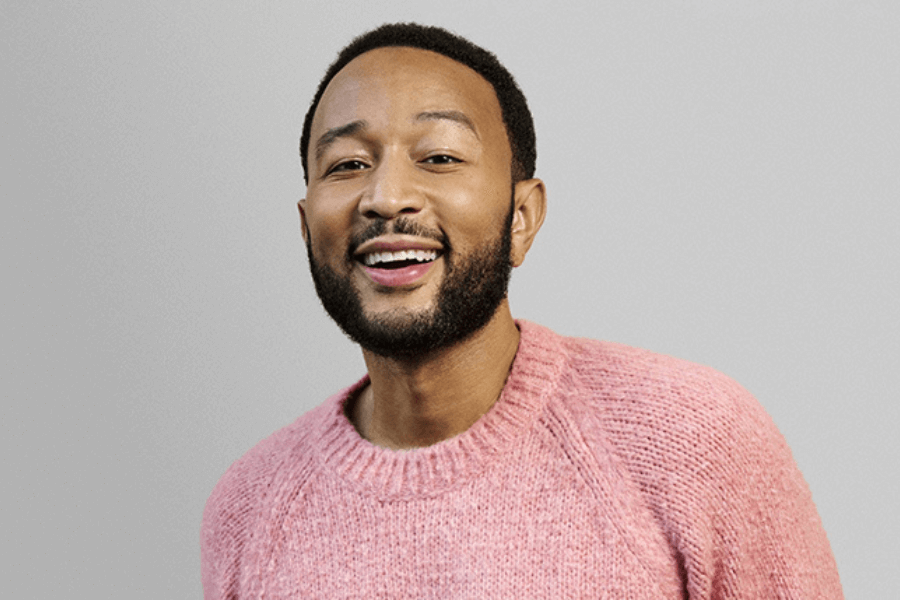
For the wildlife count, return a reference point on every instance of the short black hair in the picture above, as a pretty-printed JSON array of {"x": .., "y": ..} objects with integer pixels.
[{"x": 513, "y": 106}]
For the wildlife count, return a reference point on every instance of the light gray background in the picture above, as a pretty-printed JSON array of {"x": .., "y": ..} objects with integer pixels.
[{"x": 724, "y": 186}]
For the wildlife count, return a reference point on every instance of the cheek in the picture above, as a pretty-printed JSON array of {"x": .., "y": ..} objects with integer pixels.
[
  {"x": 327, "y": 229},
  {"x": 476, "y": 212}
]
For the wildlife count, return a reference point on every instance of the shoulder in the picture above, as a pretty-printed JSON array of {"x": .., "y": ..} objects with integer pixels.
[
  {"x": 710, "y": 465},
  {"x": 633, "y": 390},
  {"x": 648, "y": 399},
  {"x": 238, "y": 499},
  {"x": 248, "y": 476},
  {"x": 678, "y": 428}
]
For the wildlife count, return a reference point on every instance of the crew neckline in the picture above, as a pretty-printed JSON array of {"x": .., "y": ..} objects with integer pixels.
[{"x": 432, "y": 470}]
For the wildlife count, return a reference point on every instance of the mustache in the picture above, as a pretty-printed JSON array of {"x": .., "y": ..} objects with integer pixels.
[{"x": 402, "y": 226}]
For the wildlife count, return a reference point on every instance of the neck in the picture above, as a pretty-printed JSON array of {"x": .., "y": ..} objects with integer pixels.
[{"x": 415, "y": 403}]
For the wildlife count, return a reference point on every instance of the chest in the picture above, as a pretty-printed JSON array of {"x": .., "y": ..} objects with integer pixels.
[{"x": 524, "y": 529}]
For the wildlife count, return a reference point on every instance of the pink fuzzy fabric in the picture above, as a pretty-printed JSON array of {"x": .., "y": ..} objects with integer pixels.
[{"x": 602, "y": 471}]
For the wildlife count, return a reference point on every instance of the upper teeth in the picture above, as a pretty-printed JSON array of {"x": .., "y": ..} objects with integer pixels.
[{"x": 383, "y": 257}]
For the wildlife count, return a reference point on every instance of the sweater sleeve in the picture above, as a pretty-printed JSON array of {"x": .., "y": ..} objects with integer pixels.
[
  {"x": 720, "y": 481},
  {"x": 239, "y": 501},
  {"x": 228, "y": 521}
]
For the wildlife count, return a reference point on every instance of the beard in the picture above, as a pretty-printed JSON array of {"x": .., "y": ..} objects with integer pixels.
[{"x": 470, "y": 293}]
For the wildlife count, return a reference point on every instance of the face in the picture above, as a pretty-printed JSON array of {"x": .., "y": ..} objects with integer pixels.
[{"x": 408, "y": 211}]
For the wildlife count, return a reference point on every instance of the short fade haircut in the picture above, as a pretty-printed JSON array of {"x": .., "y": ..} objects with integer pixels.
[{"x": 513, "y": 106}]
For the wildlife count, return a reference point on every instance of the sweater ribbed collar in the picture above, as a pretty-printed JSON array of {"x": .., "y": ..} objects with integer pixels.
[{"x": 430, "y": 471}]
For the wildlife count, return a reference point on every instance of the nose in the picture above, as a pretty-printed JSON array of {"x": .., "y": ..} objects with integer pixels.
[{"x": 392, "y": 191}]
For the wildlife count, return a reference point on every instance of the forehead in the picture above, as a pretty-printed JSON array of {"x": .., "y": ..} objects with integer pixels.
[{"x": 387, "y": 83}]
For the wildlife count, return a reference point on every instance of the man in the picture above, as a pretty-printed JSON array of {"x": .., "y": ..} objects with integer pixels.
[{"x": 483, "y": 457}]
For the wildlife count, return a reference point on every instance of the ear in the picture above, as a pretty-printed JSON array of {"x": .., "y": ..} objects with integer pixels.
[
  {"x": 529, "y": 209},
  {"x": 304, "y": 229}
]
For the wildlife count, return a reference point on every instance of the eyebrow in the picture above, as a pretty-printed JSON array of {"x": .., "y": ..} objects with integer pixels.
[
  {"x": 455, "y": 116},
  {"x": 335, "y": 133},
  {"x": 354, "y": 127}
]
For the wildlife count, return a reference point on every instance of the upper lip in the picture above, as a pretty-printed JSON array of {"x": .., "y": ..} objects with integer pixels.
[{"x": 396, "y": 243}]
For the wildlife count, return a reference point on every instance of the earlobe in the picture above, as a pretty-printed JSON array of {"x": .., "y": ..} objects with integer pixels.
[
  {"x": 530, "y": 208},
  {"x": 304, "y": 230}
]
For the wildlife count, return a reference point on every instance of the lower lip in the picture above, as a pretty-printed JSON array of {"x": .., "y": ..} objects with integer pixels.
[{"x": 399, "y": 277}]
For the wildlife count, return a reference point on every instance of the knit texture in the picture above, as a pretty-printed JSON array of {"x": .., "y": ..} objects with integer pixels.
[{"x": 602, "y": 471}]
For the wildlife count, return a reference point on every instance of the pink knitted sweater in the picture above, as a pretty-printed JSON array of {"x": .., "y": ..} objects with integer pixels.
[{"x": 601, "y": 472}]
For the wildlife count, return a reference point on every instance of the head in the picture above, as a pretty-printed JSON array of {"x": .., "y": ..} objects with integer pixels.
[
  {"x": 514, "y": 108},
  {"x": 414, "y": 214}
]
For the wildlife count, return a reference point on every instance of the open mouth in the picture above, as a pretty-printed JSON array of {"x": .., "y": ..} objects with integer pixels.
[{"x": 398, "y": 259}]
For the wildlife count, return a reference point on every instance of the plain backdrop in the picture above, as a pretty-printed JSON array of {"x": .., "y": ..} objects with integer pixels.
[{"x": 724, "y": 187}]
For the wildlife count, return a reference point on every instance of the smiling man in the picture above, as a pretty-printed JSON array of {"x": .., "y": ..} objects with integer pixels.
[{"x": 483, "y": 457}]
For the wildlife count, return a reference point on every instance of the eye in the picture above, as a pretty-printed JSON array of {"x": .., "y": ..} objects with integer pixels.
[
  {"x": 347, "y": 165},
  {"x": 441, "y": 159}
]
